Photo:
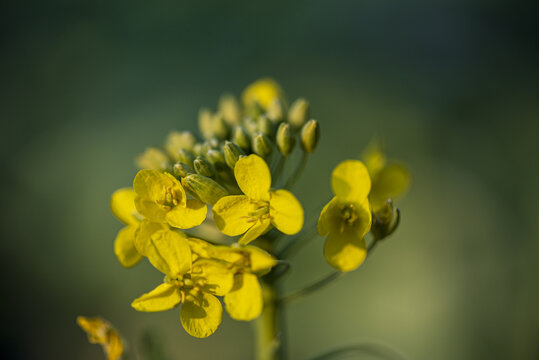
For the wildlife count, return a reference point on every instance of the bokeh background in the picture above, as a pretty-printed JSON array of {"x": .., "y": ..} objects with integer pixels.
[{"x": 452, "y": 86}]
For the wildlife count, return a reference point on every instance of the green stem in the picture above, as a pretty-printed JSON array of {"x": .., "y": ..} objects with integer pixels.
[
  {"x": 321, "y": 283},
  {"x": 295, "y": 176},
  {"x": 278, "y": 170},
  {"x": 269, "y": 327}
]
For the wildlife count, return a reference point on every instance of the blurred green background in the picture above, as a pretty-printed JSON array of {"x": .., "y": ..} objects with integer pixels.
[{"x": 452, "y": 86}]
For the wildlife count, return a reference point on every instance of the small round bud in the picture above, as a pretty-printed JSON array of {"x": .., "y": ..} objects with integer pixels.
[
  {"x": 220, "y": 128},
  {"x": 198, "y": 149},
  {"x": 385, "y": 220},
  {"x": 298, "y": 113},
  {"x": 203, "y": 167},
  {"x": 262, "y": 145},
  {"x": 229, "y": 109},
  {"x": 241, "y": 138},
  {"x": 181, "y": 169},
  {"x": 310, "y": 133},
  {"x": 217, "y": 158},
  {"x": 266, "y": 126},
  {"x": 177, "y": 141},
  {"x": 153, "y": 158},
  {"x": 250, "y": 125},
  {"x": 205, "y": 122},
  {"x": 276, "y": 111},
  {"x": 232, "y": 153},
  {"x": 285, "y": 139},
  {"x": 186, "y": 156},
  {"x": 206, "y": 189}
]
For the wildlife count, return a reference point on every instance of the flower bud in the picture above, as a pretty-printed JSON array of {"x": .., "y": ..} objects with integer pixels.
[
  {"x": 217, "y": 159},
  {"x": 229, "y": 108},
  {"x": 206, "y": 189},
  {"x": 220, "y": 128},
  {"x": 241, "y": 138},
  {"x": 232, "y": 153},
  {"x": 186, "y": 157},
  {"x": 265, "y": 126},
  {"x": 262, "y": 145},
  {"x": 181, "y": 169},
  {"x": 203, "y": 167},
  {"x": 205, "y": 122},
  {"x": 250, "y": 125},
  {"x": 310, "y": 133},
  {"x": 385, "y": 220},
  {"x": 177, "y": 141},
  {"x": 286, "y": 139},
  {"x": 298, "y": 113},
  {"x": 153, "y": 158},
  {"x": 198, "y": 149},
  {"x": 276, "y": 111}
]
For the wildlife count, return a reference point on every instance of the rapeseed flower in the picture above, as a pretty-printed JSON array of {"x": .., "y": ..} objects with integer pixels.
[
  {"x": 101, "y": 332},
  {"x": 122, "y": 204},
  {"x": 254, "y": 213},
  {"x": 161, "y": 198},
  {"x": 347, "y": 218},
  {"x": 193, "y": 284},
  {"x": 262, "y": 92}
]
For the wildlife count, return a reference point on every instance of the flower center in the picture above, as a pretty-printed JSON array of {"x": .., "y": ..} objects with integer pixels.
[
  {"x": 169, "y": 201},
  {"x": 261, "y": 211},
  {"x": 348, "y": 216}
]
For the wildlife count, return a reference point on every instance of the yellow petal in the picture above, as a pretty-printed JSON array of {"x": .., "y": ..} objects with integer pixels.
[
  {"x": 350, "y": 181},
  {"x": 100, "y": 331},
  {"x": 374, "y": 157},
  {"x": 153, "y": 185},
  {"x": 124, "y": 247},
  {"x": 169, "y": 252},
  {"x": 122, "y": 204},
  {"x": 231, "y": 214},
  {"x": 253, "y": 177},
  {"x": 201, "y": 315},
  {"x": 345, "y": 251},
  {"x": 260, "y": 261},
  {"x": 163, "y": 297},
  {"x": 144, "y": 233},
  {"x": 263, "y": 92},
  {"x": 193, "y": 214},
  {"x": 150, "y": 209},
  {"x": 286, "y": 212},
  {"x": 258, "y": 229},
  {"x": 218, "y": 279},
  {"x": 329, "y": 217},
  {"x": 245, "y": 302},
  {"x": 390, "y": 183},
  {"x": 199, "y": 248}
]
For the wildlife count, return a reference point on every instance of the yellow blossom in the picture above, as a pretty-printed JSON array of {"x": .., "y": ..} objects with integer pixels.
[
  {"x": 254, "y": 213},
  {"x": 122, "y": 204},
  {"x": 347, "y": 218},
  {"x": 390, "y": 180},
  {"x": 153, "y": 158},
  {"x": 244, "y": 302},
  {"x": 161, "y": 198},
  {"x": 193, "y": 284},
  {"x": 101, "y": 332},
  {"x": 262, "y": 92}
]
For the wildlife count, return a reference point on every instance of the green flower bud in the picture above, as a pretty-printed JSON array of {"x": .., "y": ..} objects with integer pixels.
[
  {"x": 203, "y": 167},
  {"x": 286, "y": 140},
  {"x": 181, "y": 169},
  {"x": 229, "y": 108},
  {"x": 220, "y": 128},
  {"x": 298, "y": 113},
  {"x": 186, "y": 156},
  {"x": 217, "y": 158},
  {"x": 177, "y": 141},
  {"x": 250, "y": 125},
  {"x": 232, "y": 153},
  {"x": 266, "y": 126},
  {"x": 205, "y": 123},
  {"x": 262, "y": 145},
  {"x": 206, "y": 189},
  {"x": 153, "y": 158},
  {"x": 198, "y": 149},
  {"x": 310, "y": 133},
  {"x": 385, "y": 221},
  {"x": 241, "y": 138},
  {"x": 276, "y": 112}
]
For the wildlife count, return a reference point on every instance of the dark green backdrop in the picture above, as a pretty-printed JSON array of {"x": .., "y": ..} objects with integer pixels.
[{"x": 450, "y": 85}]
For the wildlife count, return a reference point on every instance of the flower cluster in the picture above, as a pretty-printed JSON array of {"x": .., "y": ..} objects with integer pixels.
[{"x": 208, "y": 212}]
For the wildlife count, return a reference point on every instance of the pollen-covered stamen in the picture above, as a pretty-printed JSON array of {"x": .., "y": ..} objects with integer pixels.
[
  {"x": 261, "y": 212},
  {"x": 348, "y": 216}
]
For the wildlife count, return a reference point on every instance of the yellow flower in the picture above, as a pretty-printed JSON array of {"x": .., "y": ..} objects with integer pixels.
[
  {"x": 347, "y": 218},
  {"x": 244, "y": 302},
  {"x": 122, "y": 204},
  {"x": 101, "y": 332},
  {"x": 191, "y": 284},
  {"x": 153, "y": 158},
  {"x": 161, "y": 198},
  {"x": 255, "y": 212},
  {"x": 389, "y": 180},
  {"x": 263, "y": 92}
]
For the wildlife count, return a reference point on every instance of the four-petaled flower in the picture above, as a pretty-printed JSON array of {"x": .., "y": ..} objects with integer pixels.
[
  {"x": 161, "y": 198},
  {"x": 255, "y": 212},
  {"x": 193, "y": 284},
  {"x": 347, "y": 218}
]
